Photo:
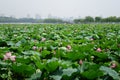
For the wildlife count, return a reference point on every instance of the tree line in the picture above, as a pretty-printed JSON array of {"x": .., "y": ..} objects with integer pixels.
[
  {"x": 30, "y": 20},
  {"x": 87, "y": 19},
  {"x": 97, "y": 19}
]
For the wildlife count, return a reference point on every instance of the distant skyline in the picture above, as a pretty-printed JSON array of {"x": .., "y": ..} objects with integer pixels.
[{"x": 59, "y": 8}]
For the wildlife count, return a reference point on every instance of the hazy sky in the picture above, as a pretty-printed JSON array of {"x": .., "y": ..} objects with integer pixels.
[{"x": 60, "y": 8}]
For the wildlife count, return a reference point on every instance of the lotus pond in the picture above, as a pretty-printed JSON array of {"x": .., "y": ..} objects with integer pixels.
[{"x": 59, "y": 51}]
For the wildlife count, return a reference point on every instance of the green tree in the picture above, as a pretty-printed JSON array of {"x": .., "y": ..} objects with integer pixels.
[
  {"x": 52, "y": 20},
  {"x": 112, "y": 19},
  {"x": 76, "y": 20},
  {"x": 118, "y": 19},
  {"x": 89, "y": 19},
  {"x": 98, "y": 19}
]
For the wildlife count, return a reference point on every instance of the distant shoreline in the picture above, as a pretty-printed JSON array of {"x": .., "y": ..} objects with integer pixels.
[{"x": 69, "y": 23}]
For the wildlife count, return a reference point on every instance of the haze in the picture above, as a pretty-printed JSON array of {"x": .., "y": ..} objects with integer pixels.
[{"x": 60, "y": 8}]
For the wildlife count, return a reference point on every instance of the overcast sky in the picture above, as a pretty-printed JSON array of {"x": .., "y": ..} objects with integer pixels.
[{"x": 60, "y": 8}]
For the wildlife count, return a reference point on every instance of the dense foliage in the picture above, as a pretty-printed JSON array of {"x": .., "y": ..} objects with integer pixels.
[
  {"x": 87, "y": 19},
  {"x": 60, "y": 52}
]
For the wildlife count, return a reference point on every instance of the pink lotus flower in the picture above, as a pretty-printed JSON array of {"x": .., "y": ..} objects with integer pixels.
[
  {"x": 68, "y": 47},
  {"x": 43, "y": 39},
  {"x": 113, "y": 65},
  {"x": 98, "y": 50},
  {"x": 12, "y": 58},
  {"x": 5, "y": 57},
  {"x": 80, "y": 62},
  {"x": 34, "y": 48},
  {"x": 8, "y": 56}
]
